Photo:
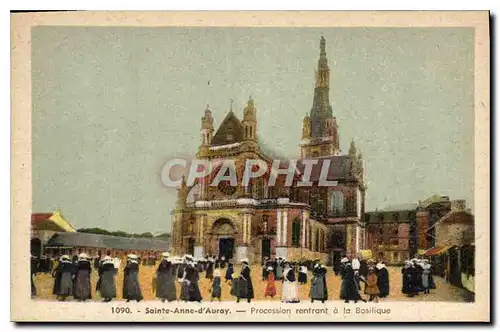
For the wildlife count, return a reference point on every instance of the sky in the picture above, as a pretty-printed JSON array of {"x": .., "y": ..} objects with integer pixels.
[{"x": 112, "y": 105}]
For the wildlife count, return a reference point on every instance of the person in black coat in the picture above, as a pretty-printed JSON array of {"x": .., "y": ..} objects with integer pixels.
[
  {"x": 410, "y": 279},
  {"x": 382, "y": 280},
  {"x": 106, "y": 285},
  {"x": 131, "y": 286},
  {"x": 192, "y": 276},
  {"x": 264, "y": 268},
  {"x": 63, "y": 278},
  {"x": 229, "y": 272},
  {"x": 223, "y": 262},
  {"x": 363, "y": 269},
  {"x": 209, "y": 274},
  {"x": 350, "y": 291},
  {"x": 245, "y": 286},
  {"x": 34, "y": 272},
  {"x": 83, "y": 289}
]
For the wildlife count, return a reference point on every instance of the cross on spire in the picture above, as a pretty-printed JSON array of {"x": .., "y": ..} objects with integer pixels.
[{"x": 231, "y": 104}]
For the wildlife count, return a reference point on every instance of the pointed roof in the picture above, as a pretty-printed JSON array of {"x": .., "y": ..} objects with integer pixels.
[
  {"x": 51, "y": 221},
  {"x": 230, "y": 131}
]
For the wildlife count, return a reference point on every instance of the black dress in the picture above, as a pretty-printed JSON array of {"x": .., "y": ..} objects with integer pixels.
[
  {"x": 193, "y": 289},
  {"x": 245, "y": 287},
  {"x": 383, "y": 282},
  {"x": 229, "y": 272},
  {"x": 131, "y": 287}
]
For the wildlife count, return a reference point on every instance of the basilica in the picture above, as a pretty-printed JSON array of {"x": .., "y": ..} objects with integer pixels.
[{"x": 288, "y": 220}]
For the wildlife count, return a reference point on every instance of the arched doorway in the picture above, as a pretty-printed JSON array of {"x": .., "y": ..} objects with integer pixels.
[
  {"x": 36, "y": 247},
  {"x": 223, "y": 230}
]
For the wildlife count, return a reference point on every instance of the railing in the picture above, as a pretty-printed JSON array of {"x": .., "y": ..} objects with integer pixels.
[{"x": 238, "y": 202}]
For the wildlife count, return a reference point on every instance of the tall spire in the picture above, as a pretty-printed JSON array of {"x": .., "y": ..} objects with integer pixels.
[
  {"x": 322, "y": 46},
  {"x": 321, "y": 102},
  {"x": 320, "y": 129}
]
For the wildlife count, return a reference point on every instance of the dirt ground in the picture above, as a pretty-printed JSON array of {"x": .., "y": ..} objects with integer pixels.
[{"x": 443, "y": 291}]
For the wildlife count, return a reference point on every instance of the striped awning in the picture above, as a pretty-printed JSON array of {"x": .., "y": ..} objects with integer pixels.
[{"x": 436, "y": 251}]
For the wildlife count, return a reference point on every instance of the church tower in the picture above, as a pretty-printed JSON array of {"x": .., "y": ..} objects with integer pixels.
[
  {"x": 320, "y": 129},
  {"x": 207, "y": 131}
]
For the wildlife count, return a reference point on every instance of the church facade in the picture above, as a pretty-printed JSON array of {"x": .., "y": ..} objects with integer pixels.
[{"x": 290, "y": 220}]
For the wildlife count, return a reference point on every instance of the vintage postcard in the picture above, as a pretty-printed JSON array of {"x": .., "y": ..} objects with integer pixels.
[{"x": 250, "y": 167}]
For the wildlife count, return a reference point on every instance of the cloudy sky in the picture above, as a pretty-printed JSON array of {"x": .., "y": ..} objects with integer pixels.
[{"x": 112, "y": 105}]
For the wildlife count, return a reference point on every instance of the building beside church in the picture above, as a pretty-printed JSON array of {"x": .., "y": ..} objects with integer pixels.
[
  {"x": 390, "y": 234},
  {"x": 258, "y": 220}
]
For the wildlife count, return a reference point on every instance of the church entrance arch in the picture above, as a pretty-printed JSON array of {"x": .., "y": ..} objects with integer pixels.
[{"x": 224, "y": 232}]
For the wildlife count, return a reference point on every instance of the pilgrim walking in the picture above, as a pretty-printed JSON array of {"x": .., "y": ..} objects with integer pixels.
[
  {"x": 290, "y": 292},
  {"x": 427, "y": 280},
  {"x": 216, "y": 286},
  {"x": 131, "y": 287},
  {"x": 349, "y": 289},
  {"x": 318, "y": 285},
  {"x": 371, "y": 287},
  {"x": 82, "y": 278},
  {"x": 63, "y": 278},
  {"x": 271, "y": 285},
  {"x": 229, "y": 272},
  {"x": 165, "y": 280},
  {"x": 192, "y": 276},
  {"x": 302, "y": 274},
  {"x": 106, "y": 284},
  {"x": 33, "y": 273},
  {"x": 209, "y": 273},
  {"x": 279, "y": 269},
  {"x": 245, "y": 287},
  {"x": 382, "y": 280}
]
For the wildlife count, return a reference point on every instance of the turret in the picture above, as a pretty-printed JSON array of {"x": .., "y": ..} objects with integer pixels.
[
  {"x": 207, "y": 127},
  {"x": 306, "y": 127},
  {"x": 249, "y": 122}
]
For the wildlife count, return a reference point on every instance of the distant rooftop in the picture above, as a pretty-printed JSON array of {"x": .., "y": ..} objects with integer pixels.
[
  {"x": 77, "y": 239},
  {"x": 397, "y": 207}
]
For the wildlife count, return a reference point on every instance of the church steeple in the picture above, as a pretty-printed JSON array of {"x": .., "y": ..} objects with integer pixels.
[
  {"x": 323, "y": 72},
  {"x": 323, "y": 137},
  {"x": 321, "y": 103}
]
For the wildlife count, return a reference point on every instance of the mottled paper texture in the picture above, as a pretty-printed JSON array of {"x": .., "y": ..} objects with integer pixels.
[{"x": 24, "y": 309}]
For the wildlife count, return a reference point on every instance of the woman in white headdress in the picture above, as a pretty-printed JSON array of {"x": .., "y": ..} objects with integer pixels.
[
  {"x": 165, "y": 279},
  {"x": 245, "y": 285},
  {"x": 192, "y": 276},
  {"x": 82, "y": 278},
  {"x": 106, "y": 284},
  {"x": 317, "y": 291},
  {"x": 131, "y": 286},
  {"x": 184, "y": 295},
  {"x": 216, "y": 286},
  {"x": 427, "y": 280},
  {"x": 290, "y": 292},
  {"x": 382, "y": 280},
  {"x": 63, "y": 278}
]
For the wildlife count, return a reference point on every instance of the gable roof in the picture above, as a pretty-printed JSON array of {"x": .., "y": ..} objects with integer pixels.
[
  {"x": 230, "y": 123},
  {"x": 51, "y": 221},
  {"x": 78, "y": 239},
  {"x": 338, "y": 169}
]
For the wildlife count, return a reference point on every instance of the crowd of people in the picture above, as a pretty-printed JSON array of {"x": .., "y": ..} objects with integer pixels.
[
  {"x": 417, "y": 277},
  {"x": 177, "y": 278}
]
